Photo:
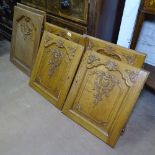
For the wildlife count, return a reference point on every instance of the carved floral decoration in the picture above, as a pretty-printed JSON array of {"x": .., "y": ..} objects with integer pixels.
[
  {"x": 57, "y": 53},
  {"x": 129, "y": 76},
  {"x": 104, "y": 83},
  {"x": 27, "y": 27},
  {"x": 55, "y": 61}
]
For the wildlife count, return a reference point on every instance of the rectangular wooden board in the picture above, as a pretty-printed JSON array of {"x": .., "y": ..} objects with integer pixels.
[
  {"x": 55, "y": 67},
  {"x": 125, "y": 55},
  {"x": 103, "y": 95},
  {"x": 64, "y": 33},
  {"x": 26, "y": 35}
]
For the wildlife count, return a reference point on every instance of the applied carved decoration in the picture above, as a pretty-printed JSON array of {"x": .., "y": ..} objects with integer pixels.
[
  {"x": 129, "y": 76},
  {"x": 26, "y": 26}
]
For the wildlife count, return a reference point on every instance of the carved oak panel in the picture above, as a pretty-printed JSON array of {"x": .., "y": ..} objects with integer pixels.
[
  {"x": 125, "y": 55},
  {"x": 103, "y": 95},
  {"x": 25, "y": 38},
  {"x": 64, "y": 33},
  {"x": 55, "y": 66}
]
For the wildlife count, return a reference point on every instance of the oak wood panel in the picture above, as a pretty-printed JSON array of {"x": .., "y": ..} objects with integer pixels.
[
  {"x": 64, "y": 33},
  {"x": 103, "y": 95},
  {"x": 26, "y": 35},
  {"x": 43, "y": 13},
  {"x": 55, "y": 67},
  {"x": 67, "y": 24},
  {"x": 117, "y": 52}
]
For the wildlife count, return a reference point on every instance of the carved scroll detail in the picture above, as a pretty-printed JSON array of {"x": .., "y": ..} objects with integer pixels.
[{"x": 129, "y": 76}]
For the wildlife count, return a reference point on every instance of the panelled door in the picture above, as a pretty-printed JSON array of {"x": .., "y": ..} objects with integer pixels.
[
  {"x": 26, "y": 35},
  {"x": 55, "y": 67},
  {"x": 103, "y": 95}
]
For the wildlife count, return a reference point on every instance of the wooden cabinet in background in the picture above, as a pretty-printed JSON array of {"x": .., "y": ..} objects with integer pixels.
[{"x": 81, "y": 16}]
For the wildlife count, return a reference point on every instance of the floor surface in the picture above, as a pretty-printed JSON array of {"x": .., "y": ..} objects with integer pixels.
[{"x": 30, "y": 125}]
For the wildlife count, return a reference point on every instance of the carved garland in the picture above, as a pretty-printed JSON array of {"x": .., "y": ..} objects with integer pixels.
[
  {"x": 103, "y": 85},
  {"x": 129, "y": 76},
  {"x": 57, "y": 54},
  {"x": 26, "y": 26}
]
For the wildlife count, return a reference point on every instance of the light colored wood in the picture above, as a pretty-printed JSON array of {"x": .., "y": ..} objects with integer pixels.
[
  {"x": 55, "y": 67},
  {"x": 26, "y": 35},
  {"x": 125, "y": 55},
  {"x": 103, "y": 95},
  {"x": 67, "y": 34},
  {"x": 149, "y": 5},
  {"x": 43, "y": 13}
]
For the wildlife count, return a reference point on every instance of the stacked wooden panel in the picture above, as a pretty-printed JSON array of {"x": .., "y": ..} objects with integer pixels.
[{"x": 27, "y": 27}]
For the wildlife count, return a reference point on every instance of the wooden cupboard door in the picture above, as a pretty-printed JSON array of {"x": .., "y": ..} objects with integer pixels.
[
  {"x": 149, "y": 5},
  {"x": 26, "y": 35},
  {"x": 103, "y": 95},
  {"x": 64, "y": 33},
  {"x": 55, "y": 67},
  {"x": 75, "y": 10},
  {"x": 125, "y": 55}
]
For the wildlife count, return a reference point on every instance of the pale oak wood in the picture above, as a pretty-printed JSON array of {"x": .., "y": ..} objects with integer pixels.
[
  {"x": 103, "y": 95},
  {"x": 26, "y": 35},
  {"x": 64, "y": 33},
  {"x": 117, "y": 52},
  {"x": 55, "y": 67}
]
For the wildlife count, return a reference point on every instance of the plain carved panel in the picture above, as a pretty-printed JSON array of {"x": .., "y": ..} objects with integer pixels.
[
  {"x": 26, "y": 35},
  {"x": 55, "y": 67},
  {"x": 103, "y": 95},
  {"x": 125, "y": 55},
  {"x": 64, "y": 33}
]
